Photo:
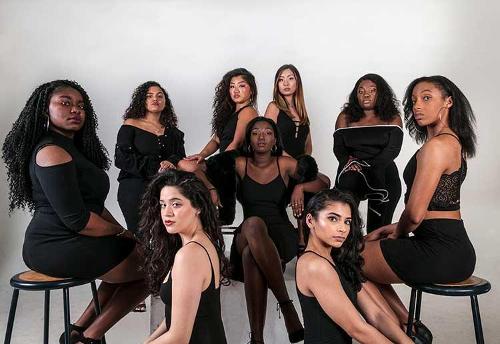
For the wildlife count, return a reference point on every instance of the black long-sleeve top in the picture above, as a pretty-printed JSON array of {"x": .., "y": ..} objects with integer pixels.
[
  {"x": 378, "y": 145},
  {"x": 138, "y": 152}
]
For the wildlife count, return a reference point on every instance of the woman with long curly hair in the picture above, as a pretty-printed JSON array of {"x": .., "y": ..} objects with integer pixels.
[
  {"x": 185, "y": 261},
  {"x": 438, "y": 115},
  {"x": 330, "y": 285},
  {"x": 368, "y": 137},
  {"x": 148, "y": 142},
  {"x": 56, "y": 167}
]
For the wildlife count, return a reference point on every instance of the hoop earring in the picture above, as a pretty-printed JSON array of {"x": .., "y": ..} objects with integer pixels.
[
  {"x": 274, "y": 149},
  {"x": 249, "y": 148},
  {"x": 48, "y": 123}
]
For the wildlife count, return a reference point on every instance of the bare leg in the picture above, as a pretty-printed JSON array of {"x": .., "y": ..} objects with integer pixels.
[
  {"x": 255, "y": 294},
  {"x": 104, "y": 293},
  {"x": 379, "y": 314},
  {"x": 125, "y": 298},
  {"x": 254, "y": 236}
]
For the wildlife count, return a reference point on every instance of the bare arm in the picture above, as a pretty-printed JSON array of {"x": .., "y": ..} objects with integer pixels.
[
  {"x": 245, "y": 116},
  {"x": 190, "y": 276},
  {"x": 272, "y": 112},
  {"x": 315, "y": 276},
  {"x": 161, "y": 329},
  {"x": 309, "y": 145}
]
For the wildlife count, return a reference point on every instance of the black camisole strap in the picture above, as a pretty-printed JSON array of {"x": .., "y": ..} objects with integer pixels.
[
  {"x": 455, "y": 136},
  {"x": 237, "y": 112},
  {"x": 209, "y": 259},
  {"x": 319, "y": 255}
]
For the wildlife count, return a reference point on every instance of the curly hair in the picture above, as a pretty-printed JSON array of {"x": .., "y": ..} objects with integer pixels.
[
  {"x": 28, "y": 130},
  {"x": 247, "y": 148},
  {"x": 386, "y": 105},
  {"x": 223, "y": 106},
  {"x": 160, "y": 247},
  {"x": 461, "y": 117},
  {"x": 298, "y": 97},
  {"x": 137, "y": 107},
  {"x": 348, "y": 257}
]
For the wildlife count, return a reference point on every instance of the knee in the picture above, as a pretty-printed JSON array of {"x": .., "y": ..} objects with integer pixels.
[
  {"x": 254, "y": 228},
  {"x": 247, "y": 257}
]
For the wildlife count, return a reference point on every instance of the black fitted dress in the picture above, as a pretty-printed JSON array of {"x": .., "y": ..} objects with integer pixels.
[
  {"x": 64, "y": 197},
  {"x": 138, "y": 155},
  {"x": 440, "y": 250},
  {"x": 319, "y": 328},
  {"x": 227, "y": 134},
  {"x": 374, "y": 149},
  {"x": 208, "y": 327},
  {"x": 268, "y": 202},
  {"x": 293, "y": 135}
]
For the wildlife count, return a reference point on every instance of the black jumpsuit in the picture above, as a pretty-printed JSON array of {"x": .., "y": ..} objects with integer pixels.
[
  {"x": 64, "y": 196},
  {"x": 374, "y": 149}
]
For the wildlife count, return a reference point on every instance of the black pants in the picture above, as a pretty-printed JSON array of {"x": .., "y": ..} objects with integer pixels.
[{"x": 129, "y": 198}]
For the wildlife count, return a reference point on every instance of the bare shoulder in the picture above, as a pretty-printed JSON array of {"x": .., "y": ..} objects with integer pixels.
[
  {"x": 240, "y": 163},
  {"x": 131, "y": 121},
  {"x": 52, "y": 155},
  {"x": 287, "y": 162},
  {"x": 248, "y": 113},
  {"x": 397, "y": 121},
  {"x": 272, "y": 111},
  {"x": 341, "y": 121},
  {"x": 314, "y": 267},
  {"x": 190, "y": 256}
]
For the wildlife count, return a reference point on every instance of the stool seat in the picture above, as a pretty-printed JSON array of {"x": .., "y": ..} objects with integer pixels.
[
  {"x": 471, "y": 286},
  {"x": 32, "y": 280}
]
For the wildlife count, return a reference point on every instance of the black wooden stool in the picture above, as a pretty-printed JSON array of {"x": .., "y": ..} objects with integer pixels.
[
  {"x": 228, "y": 230},
  {"x": 471, "y": 287},
  {"x": 31, "y": 280}
]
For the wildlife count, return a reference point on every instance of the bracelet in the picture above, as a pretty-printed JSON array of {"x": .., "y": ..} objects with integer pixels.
[
  {"x": 212, "y": 188},
  {"x": 122, "y": 232}
]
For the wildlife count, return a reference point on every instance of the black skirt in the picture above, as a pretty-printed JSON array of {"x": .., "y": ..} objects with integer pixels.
[{"x": 439, "y": 252}]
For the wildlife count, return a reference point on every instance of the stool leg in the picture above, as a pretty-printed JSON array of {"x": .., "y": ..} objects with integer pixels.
[
  {"x": 97, "y": 305},
  {"x": 478, "y": 328},
  {"x": 67, "y": 321},
  {"x": 419, "y": 304},
  {"x": 411, "y": 312},
  {"x": 12, "y": 315},
  {"x": 46, "y": 308}
]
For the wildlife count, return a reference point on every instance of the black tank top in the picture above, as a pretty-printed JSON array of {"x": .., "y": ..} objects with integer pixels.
[
  {"x": 447, "y": 194},
  {"x": 293, "y": 134},
  {"x": 208, "y": 327},
  {"x": 263, "y": 200},
  {"x": 229, "y": 130},
  {"x": 319, "y": 328}
]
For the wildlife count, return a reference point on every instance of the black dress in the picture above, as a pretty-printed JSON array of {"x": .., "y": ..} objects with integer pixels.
[
  {"x": 319, "y": 328},
  {"x": 268, "y": 202},
  {"x": 227, "y": 134},
  {"x": 440, "y": 250},
  {"x": 64, "y": 196},
  {"x": 138, "y": 155},
  {"x": 208, "y": 327},
  {"x": 374, "y": 148},
  {"x": 293, "y": 135}
]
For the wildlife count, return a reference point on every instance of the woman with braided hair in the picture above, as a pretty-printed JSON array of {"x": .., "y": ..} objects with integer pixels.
[{"x": 56, "y": 168}]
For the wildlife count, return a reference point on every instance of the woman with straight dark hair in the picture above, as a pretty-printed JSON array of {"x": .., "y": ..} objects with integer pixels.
[
  {"x": 185, "y": 261},
  {"x": 331, "y": 288},
  {"x": 368, "y": 137},
  {"x": 438, "y": 115}
]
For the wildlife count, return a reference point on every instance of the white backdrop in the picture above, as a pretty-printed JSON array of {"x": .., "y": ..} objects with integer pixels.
[{"x": 110, "y": 47}]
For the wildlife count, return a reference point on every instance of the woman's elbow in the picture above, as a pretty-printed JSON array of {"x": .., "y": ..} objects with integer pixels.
[{"x": 414, "y": 217}]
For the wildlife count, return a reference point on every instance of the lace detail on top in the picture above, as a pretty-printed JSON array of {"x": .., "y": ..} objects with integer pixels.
[{"x": 447, "y": 194}]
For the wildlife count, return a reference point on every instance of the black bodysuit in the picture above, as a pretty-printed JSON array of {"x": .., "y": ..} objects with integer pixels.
[
  {"x": 293, "y": 135},
  {"x": 440, "y": 250},
  {"x": 138, "y": 155},
  {"x": 268, "y": 202},
  {"x": 64, "y": 196},
  {"x": 208, "y": 327},
  {"x": 374, "y": 149},
  {"x": 319, "y": 328}
]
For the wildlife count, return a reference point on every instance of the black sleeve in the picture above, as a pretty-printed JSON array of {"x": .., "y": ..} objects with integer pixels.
[
  {"x": 391, "y": 150},
  {"x": 60, "y": 186},
  {"x": 339, "y": 148},
  {"x": 178, "y": 151},
  {"x": 128, "y": 159}
]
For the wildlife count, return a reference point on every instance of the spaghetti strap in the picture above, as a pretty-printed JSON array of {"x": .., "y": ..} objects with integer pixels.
[
  {"x": 455, "y": 136},
  {"x": 237, "y": 112},
  {"x": 319, "y": 255},
  {"x": 246, "y": 164},
  {"x": 278, "y": 163},
  {"x": 209, "y": 259}
]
